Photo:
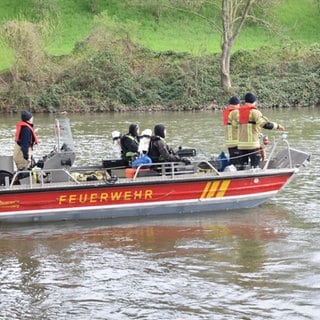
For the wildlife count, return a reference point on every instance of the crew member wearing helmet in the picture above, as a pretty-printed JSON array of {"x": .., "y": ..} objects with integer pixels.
[
  {"x": 251, "y": 121},
  {"x": 130, "y": 142},
  {"x": 159, "y": 150},
  {"x": 25, "y": 139},
  {"x": 231, "y": 129}
]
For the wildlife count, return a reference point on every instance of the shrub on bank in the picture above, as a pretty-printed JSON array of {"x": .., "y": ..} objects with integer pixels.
[{"x": 114, "y": 80}]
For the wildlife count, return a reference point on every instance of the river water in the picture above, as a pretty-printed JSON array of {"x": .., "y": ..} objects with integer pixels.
[{"x": 262, "y": 263}]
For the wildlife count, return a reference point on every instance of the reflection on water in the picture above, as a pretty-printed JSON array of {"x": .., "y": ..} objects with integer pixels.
[
  {"x": 49, "y": 259},
  {"x": 262, "y": 263}
]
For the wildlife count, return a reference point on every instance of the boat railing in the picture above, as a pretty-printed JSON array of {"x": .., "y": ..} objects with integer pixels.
[
  {"x": 275, "y": 144},
  {"x": 208, "y": 164},
  {"x": 173, "y": 169},
  {"x": 285, "y": 157},
  {"x": 39, "y": 177}
]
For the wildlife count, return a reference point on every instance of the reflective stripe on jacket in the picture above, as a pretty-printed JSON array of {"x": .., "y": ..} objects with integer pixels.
[
  {"x": 230, "y": 121},
  {"x": 129, "y": 145},
  {"x": 251, "y": 121}
]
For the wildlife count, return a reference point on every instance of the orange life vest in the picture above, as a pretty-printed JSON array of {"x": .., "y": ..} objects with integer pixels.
[
  {"x": 244, "y": 113},
  {"x": 19, "y": 126},
  {"x": 226, "y": 112}
]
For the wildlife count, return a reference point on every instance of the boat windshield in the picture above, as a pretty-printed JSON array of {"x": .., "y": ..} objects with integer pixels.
[{"x": 64, "y": 135}]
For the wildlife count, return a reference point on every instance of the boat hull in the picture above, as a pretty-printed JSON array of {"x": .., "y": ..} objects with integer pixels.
[{"x": 142, "y": 198}]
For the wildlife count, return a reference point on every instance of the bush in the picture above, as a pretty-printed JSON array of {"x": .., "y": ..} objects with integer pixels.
[{"x": 130, "y": 77}]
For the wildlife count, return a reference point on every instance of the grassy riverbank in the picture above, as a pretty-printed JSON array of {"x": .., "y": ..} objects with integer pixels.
[
  {"x": 71, "y": 21},
  {"x": 180, "y": 51}
]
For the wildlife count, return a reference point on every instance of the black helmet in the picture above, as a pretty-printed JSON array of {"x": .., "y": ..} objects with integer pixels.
[
  {"x": 26, "y": 115},
  {"x": 250, "y": 98},
  {"x": 234, "y": 100},
  {"x": 133, "y": 129},
  {"x": 159, "y": 130}
]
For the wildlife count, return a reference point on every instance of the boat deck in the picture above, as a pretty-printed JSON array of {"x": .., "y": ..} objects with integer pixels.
[{"x": 99, "y": 177}]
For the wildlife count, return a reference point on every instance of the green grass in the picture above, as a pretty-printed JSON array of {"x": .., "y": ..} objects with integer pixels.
[
  {"x": 6, "y": 57},
  {"x": 301, "y": 19},
  {"x": 73, "y": 20},
  {"x": 191, "y": 37},
  {"x": 11, "y": 9}
]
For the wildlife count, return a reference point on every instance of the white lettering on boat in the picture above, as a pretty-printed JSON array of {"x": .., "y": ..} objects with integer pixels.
[{"x": 101, "y": 197}]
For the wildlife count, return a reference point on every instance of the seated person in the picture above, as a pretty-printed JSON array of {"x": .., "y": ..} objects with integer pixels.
[
  {"x": 159, "y": 151},
  {"x": 130, "y": 142}
]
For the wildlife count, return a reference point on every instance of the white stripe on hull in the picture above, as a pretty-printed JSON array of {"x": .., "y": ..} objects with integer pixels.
[{"x": 141, "y": 209}]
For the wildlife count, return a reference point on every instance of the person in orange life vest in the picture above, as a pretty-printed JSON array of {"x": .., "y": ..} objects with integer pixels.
[
  {"x": 25, "y": 139},
  {"x": 251, "y": 121},
  {"x": 231, "y": 129}
]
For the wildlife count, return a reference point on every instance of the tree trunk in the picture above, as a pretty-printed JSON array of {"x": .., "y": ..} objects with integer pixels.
[
  {"x": 232, "y": 22},
  {"x": 234, "y": 13},
  {"x": 227, "y": 25},
  {"x": 225, "y": 65}
]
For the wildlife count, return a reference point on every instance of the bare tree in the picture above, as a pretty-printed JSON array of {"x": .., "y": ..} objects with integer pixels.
[
  {"x": 228, "y": 18},
  {"x": 233, "y": 15}
]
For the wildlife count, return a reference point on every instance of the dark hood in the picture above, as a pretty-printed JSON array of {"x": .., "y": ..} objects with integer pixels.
[
  {"x": 159, "y": 130},
  {"x": 133, "y": 129}
]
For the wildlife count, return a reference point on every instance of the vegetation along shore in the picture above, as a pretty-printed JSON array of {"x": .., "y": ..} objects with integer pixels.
[{"x": 98, "y": 56}]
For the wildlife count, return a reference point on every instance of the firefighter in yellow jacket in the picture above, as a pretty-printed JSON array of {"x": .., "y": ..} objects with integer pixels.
[
  {"x": 250, "y": 121},
  {"x": 231, "y": 129}
]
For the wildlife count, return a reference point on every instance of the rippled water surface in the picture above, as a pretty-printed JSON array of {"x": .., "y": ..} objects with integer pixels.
[{"x": 262, "y": 263}]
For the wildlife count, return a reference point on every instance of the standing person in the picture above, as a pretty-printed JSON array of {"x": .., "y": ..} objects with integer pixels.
[
  {"x": 130, "y": 142},
  {"x": 159, "y": 151},
  {"x": 231, "y": 129},
  {"x": 25, "y": 139},
  {"x": 251, "y": 121}
]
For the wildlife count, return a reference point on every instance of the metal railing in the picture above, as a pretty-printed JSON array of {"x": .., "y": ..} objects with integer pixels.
[
  {"x": 282, "y": 139},
  {"x": 173, "y": 169},
  {"x": 37, "y": 177}
]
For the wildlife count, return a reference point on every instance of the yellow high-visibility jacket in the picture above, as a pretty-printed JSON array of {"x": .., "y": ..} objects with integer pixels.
[{"x": 250, "y": 122}]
